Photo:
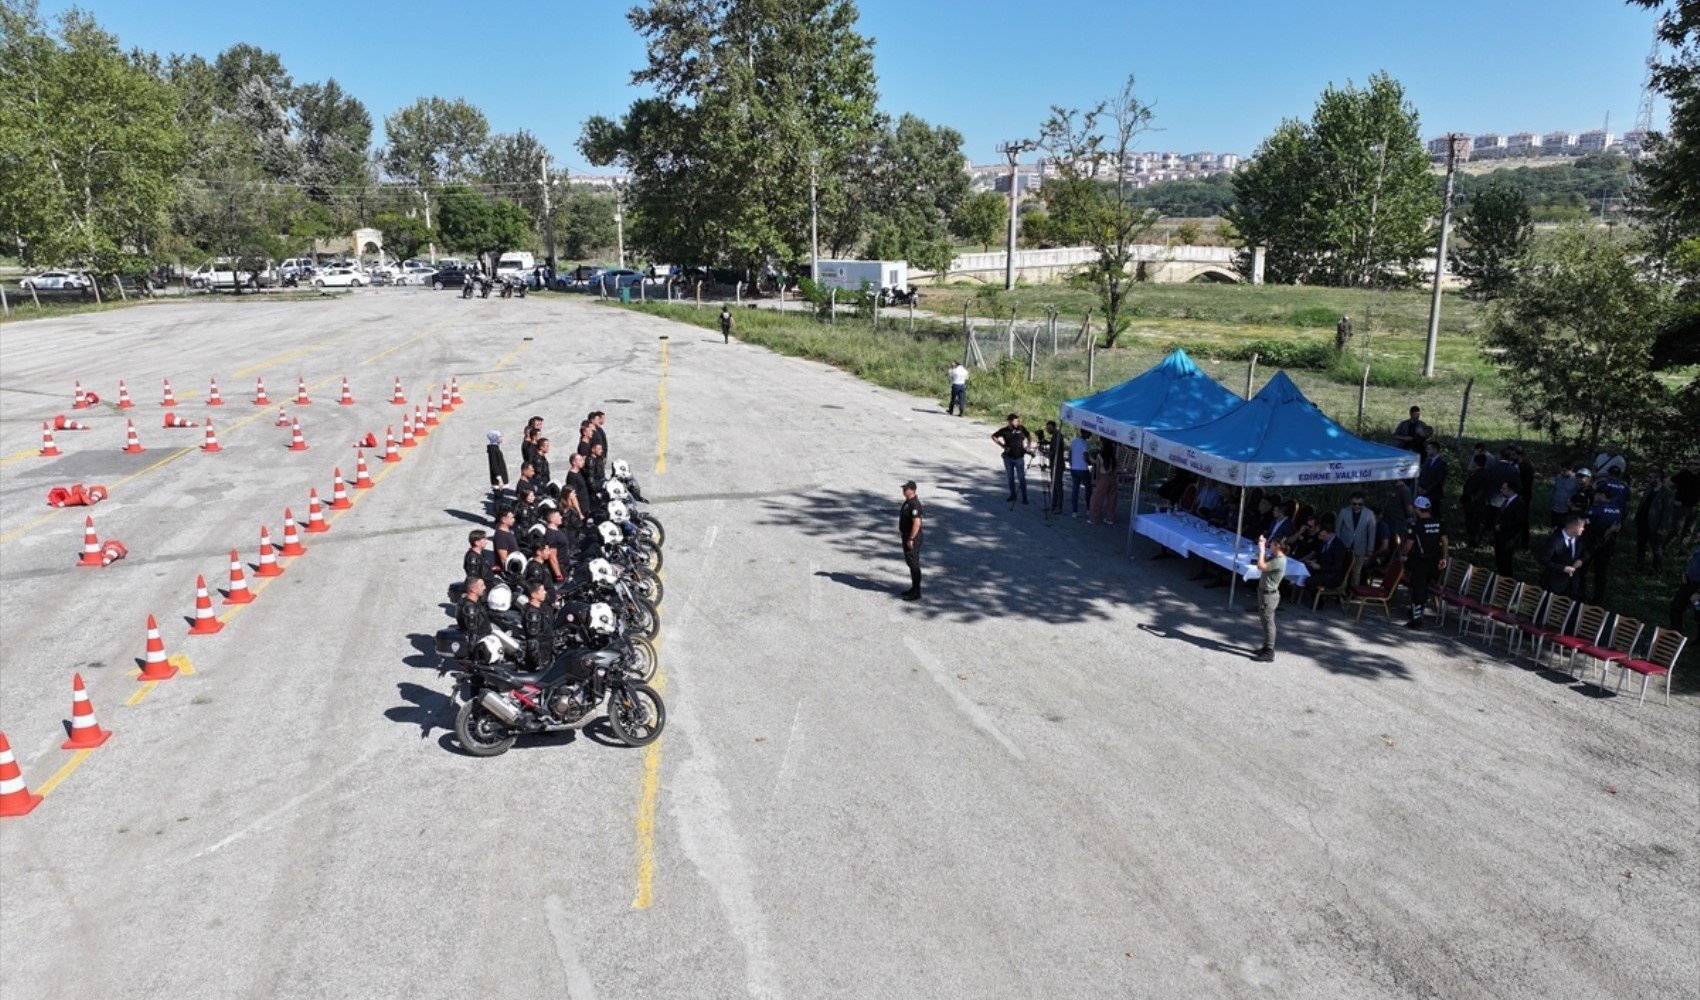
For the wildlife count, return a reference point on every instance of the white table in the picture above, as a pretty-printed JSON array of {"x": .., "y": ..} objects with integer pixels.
[{"x": 1189, "y": 536}]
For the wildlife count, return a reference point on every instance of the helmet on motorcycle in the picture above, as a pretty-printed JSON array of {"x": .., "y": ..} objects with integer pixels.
[
  {"x": 501, "y": 598},
  {"x": 535, "y": 532},
  {"x": 545, "y": 505},
  {"x": 617, "y": 490},
  {"x": 487, "y": 650},
  {"x": 602, "y": 619},
  {"x": 617, "y": 511},
  {"x": 602, "y": 571},
  {"x": 621, "y": 469},
  {"x": 611, "y": 534},
  {"x": 516, "y": 563}
]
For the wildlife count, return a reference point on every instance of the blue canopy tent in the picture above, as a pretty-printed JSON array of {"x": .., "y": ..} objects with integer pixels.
[{"x": 1172, "y": 393}]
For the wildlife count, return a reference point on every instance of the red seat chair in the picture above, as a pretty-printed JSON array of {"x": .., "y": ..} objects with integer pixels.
[
  {"x": 1364, "y": 594},
  {"x": 1467, "y": 595},
  {"x": 1500, "y": 599},
  {"x": 1662, "y": 653},
  {"x": 1590, "y": 625},
  {"x": 1625, "y": 636},
  {"x": 1549, "y": 624},
  {"x": 1531, "y": 605}
]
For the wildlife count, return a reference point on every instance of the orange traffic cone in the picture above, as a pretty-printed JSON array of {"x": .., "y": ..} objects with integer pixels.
[
  {"x": 454, "y": 390},
  {"x": 362, "y": 478},
  {"x": 48, "y": 448},
  {"x": 268, "y": 558},
  {"x": 124, "y": 396},
  {"x": 291, "y": 541},
  {"x": 419, "y": 428},
  {"x": 91, "y": 545},
  {"x": 339, "y": 493},
  {"x": 155, "y": 667},
  {"x": 86, "y": 733},
  {"x": 132, "y": 444},
  {"x": 80, "y": 399},
  {"x": 347, "y": 395},
  {"x": 173, "y": 420},
  {"x": 301, "y": 392},
  {"x": 399, "y": 399},
  {"x": 213, "y": 398},
  {"x": 169, "y": 399},
  {"x": 407, "y": 431},
  {"x": 15, "y": 797},
  {"x": 316, "y": 523},
  {"x": 212, "y": 438},
  {"x": 239, "y": 592},
  {"x": 260, "y": 391},
  {"x": 205, "y": 623},
  {"x": 448, "y": 405},
  {"x": 61, "y": 424},
  {"x": 297, "y": 442},
  {"x": 282, "y": 418},
  {"x": 390, "y": 453},
  {"x": 430, "y": 410}
]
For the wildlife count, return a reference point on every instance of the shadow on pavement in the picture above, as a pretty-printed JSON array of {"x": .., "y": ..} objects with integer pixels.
[
  {"x": 858, "y": 582},
  {"x": 425, "y": 708}
]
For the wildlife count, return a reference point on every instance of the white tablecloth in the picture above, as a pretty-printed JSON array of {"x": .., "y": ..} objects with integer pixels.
[{"x": 1191, "y": 537}]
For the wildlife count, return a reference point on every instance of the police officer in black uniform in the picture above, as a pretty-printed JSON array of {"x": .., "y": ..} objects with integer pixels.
[
  {"x": 909, "y": 530},
  {"x": 470, "y": 613},
  {"x": 537, "y": 618},
  {"x": 479, "y": 560},
  {"x": 1425, "y": 553}
]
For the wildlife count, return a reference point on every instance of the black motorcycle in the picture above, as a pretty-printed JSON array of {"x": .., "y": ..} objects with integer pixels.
[
  {"x": 500, "y": 703},
  {"x": 466, "y": 287},
  {"x": 599, "y": 582}
]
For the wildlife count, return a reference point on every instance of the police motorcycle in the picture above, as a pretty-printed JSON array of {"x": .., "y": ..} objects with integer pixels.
[
  {"x": 600, "y": 581},
  {"x": 620, "y": 473},
  {"x": 609, "y": 541},
  {"x": 641, "y": 529},
  {"x": 594, "y": 626}
]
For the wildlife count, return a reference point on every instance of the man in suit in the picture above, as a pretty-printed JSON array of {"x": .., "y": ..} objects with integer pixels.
[
  {"x": 1562, "y": 558},
  {"x": 1328, "y": 563},
  {"x": 1509, "y": 528},
  {"x": 1431, "y": 475},
  {"x": 1355, "y": 527}
]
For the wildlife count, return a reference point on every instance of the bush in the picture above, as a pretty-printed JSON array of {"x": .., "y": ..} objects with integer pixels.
[
  {"x": 1284, "y": 354},
  {"x": 1320, "y": 316}
]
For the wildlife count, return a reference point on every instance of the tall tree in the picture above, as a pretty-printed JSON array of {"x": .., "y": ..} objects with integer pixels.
[
  {"x": 981, "y": 218},
  {"x": 89, "y": 143},
  {"x": 1493, "y": 233},
  {"x": 254, "y": 95},
  {"x": 512, "y": 163},
  {"x": 915, "y": 182},
  {"x": 335, "y": 134},
  {"x": 432, "y": 141},
  {"x": 749, "y": 96},
  {"x": 585, "y": 223},
  {"x": 467, "y": 221},
  {"x": 1092, "y": 186}
]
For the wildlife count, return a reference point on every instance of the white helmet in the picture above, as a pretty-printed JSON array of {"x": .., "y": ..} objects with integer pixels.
[
  {"x": 602, "y": 619},
  {"x": 545, "y": 505},
  {"x": 617, "y": 490},
  {"x": 602, "y": 571},
  {"x": 621, "y": 469},
  {"x": 516, "y": 563},
  {"x": 501, "y": 598},
  {"x": 487, "y": 650},
  {"x": 611, "y": 533},
  {"x": 617, "y": 511},
  {"x": 536, "y": 532}
]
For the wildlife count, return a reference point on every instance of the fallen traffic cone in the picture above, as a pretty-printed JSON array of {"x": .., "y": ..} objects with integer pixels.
[
  {"x": 61, "y": 424},
  {"x": 454, "y": 390},
  {"x": 260, "y": 391},
  {"x": 282, "y": 418},
  {"x": 173, "y": 420},
  {"x": 297, "y": 442},
  {"x": 91, "y": 545},
  {"x": 369, "y": 441},
  {"x": 132, "y": 444},
  {"x": 407, "y": 431},
  {"x": 390, "y": 452},
  {"x": 155, "y": 667},
  {"x": 301, "y": 392},
  {"x": 347, "y": 395},
  {"x": 238, "y": 592},
  {"x": 316, "y": 523},
  {"x": 15, "y": 796},
  {"x": 419, "y": 428},
  {"x": 448, "y": 405},
  {"x": 124, "y": 396},
  {"x": 213, "y": 398},
  {"x": 291, "y": 541},
  {"x": 80, "y": 400},
  {"x": 339, "y": 493},
  {"x": 111, "y": 551},
  {"x": 86, "y": 733},
  {"x": 169, "y": 399},
  {"x": 362, "y": 478},
  {"x": 268, "y": 557},
  {"x": 205, "y": 623},
  {"x": 211, "y": 443},
  {"x": 399, "y": 399},
  {"x": 48, "y": 448},
  {"x": 430, "y": 410}
]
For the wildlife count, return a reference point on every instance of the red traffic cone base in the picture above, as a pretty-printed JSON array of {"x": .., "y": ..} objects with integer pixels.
[
  {"x": 15, "y": 797},
  {"x": 86, "y": 733}
]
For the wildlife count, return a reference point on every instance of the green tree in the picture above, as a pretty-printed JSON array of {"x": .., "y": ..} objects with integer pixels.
[
  {"x": 1091, "y": 187},
  {"x": 749, "y": 95},
  {"x": 334, "y": 131},
  {"x": 585, "y": 223},
  {"x": 404, "y": 235},
  {"x": 512, "y": 163},
  {"x": 1573, "y": 335},
  {"x": 1347, "y": 199},
  {"x": 913, "y": 185},
  {"x": 488, "y": 229},
  {"x": 432, "y": 141},
  {"x": 89, "y": 143},
  {"x": 981, "y": 218},
  {"x": 1494, "y": 231}
]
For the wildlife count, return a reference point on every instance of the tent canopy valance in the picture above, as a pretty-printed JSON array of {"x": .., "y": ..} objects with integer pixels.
[{"x": 1173, "y": 393}]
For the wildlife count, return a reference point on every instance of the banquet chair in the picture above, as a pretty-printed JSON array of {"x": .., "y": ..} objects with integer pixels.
[
  {"x": 1590, "y": 625},
  {"x": 1662, "y": 653},
  {"x": 1452, "y": 585},
  {"x": 1364, "y": 595},
  {"x": 1546, "y": 625},
  {"x": 1500, "y": 599},
  {"x": 1625, "y": 636},
  {"x": 1340, "y": 593},
  {"x": 1531, "y": 604},
  {"x": 1469, "y": 595}
]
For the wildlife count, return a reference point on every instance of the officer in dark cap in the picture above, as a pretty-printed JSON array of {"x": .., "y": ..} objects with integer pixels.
[{"x": 909, "y": 530}]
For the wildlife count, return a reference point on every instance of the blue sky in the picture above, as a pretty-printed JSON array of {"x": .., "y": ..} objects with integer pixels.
[{"x": 1221, "y": 75}]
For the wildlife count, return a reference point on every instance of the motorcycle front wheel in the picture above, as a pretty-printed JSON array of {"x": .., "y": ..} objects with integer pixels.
[
  {"x": 641, "y": 660},
  {"x": 647, "y": 586},
  {"x": 650, "y": 553},
  {"x": 642, "y": 619},
  {"x": 636, "y": 714},
  {"x": 650, "y": 530},
  {"x": 480, "y": 733}
]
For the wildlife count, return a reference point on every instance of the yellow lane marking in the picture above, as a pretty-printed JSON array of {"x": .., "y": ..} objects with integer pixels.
[
  {"x": 142, "y": 692},
  {"x": 182, "y": 663},
  {"x": 515, "y": 352},
  {"x": 20, "y": 456},
  {"x": 280, "y": 359},
  {"x": 75, "y": 762},
  {"x": 661, "y": 434},
  {"x": 392, "y": 350},
  {"x": 646, "y": 810}
]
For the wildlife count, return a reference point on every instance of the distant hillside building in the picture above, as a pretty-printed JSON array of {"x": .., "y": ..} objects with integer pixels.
[
  {"x": 1521, "y": 142},
  {"x": 1633, "y": 141},
  {"x": 1437, "y": 148},
  {"x": 1487, "y": 144},
  {"x": 1558, "y": 143},
  {"x": 1594, "y": 141}
]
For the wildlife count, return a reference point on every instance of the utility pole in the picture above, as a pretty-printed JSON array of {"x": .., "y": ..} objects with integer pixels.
[
  {"x": 814, "y": 217},
  {"x": 425, "y": 192},
  {"x": 548, "y": 213},
  {"x": 620, "y": 220},
  {"x": 1012, "y": 150},
  {"x": 1452, "y": 140}
]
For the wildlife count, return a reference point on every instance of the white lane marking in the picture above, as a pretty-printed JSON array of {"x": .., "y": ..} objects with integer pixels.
[
  {"x": 952, "y": 687},
  {"x": 788, "y": 766},
  {"x": 579, "y": 984},
  {"x": 713, "y": 533},
  {"x": 311, "y": 793}
]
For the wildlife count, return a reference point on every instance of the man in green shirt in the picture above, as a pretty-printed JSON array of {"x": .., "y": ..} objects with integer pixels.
[{"x": 1272, "y": 567}]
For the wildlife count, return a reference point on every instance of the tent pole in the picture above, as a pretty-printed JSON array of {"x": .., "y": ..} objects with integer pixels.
[
  {"x": 1138, "y": 480},
  {"x": 1239, "y": 532}
]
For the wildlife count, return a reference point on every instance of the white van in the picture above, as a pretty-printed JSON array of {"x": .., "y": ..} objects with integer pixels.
[
  {"x": 516, "y": 264},
  {"x": 220, "y": 272}
]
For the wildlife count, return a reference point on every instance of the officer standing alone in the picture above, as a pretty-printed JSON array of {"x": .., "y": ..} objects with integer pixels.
[
  {"x": 909, "y": 530},
  {"x": 1425, "y": 554}
]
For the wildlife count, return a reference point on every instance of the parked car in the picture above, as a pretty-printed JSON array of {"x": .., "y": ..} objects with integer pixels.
[
  {"x": 222, "y": 272},
  {"x": 448, "y": 277},
  {"x": 56, "y": 279},
  {"x": 612, "y": 280},
  {"x": 341, "y": 277},
  {"x": 416, "y": 274}
]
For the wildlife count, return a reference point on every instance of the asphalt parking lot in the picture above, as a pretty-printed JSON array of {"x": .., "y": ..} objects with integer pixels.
[{"x": 1058, "y": 775}]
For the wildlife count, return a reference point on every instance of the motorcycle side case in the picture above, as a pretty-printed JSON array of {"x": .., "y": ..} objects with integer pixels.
[{"x": 451, "y": 642}]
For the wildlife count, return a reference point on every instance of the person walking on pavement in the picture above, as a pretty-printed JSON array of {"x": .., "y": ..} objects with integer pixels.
[
  {"x": 1016, "y": 444},
  {"x": 1272, "y": 569},
  {"x": 1052, "y": 443},
  {"x": 1425, "y": 554},
  {"x": 726, "y": 323},
  {"x": 1562, "y": 558},
  {"x": 909, "y": 531},
  {"x": 958, "y": 390}
]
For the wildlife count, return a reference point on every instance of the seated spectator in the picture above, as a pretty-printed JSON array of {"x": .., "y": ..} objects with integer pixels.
[
  {"x": 1329, "y": 562},
  {"x": 1172, "y": 488},
  {"x": 1208, "y": 500},
  {"x": 1306, "y": 540}
]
